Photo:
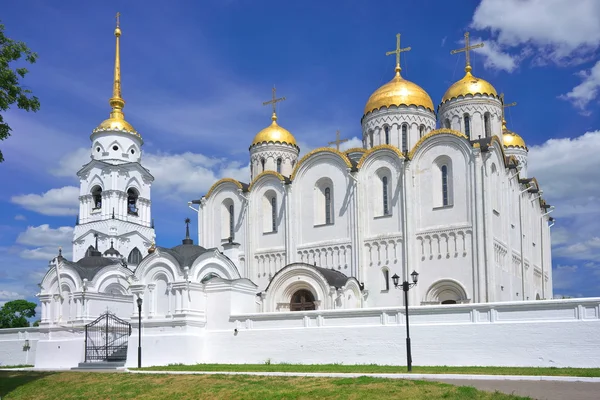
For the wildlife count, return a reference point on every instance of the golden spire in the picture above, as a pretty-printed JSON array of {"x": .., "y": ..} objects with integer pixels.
[
  {"x": 466, "y": 50},
  {"x": 274, "y": 101},
  {"x": 116, "y": 121},
  {"x": 397, "y": 52},
  {"x": 514, "y": 103},
  {"x": 116, "y": 102}
]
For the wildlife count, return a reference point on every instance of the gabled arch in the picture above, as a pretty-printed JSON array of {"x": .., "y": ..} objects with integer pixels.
[
  {"x": 377, "y": 150},
  {"x": 436, "y": 132},
  {"x": 265, "y": 176},
  {"x": 445, "y": 290},
  {"x": 213, "y": 262},
  {"x": 223, "y": 181},
  {"x": 304, "y": 163},
  {"x": 158, "y": 261},
  {"x": 95, "y": 181}
]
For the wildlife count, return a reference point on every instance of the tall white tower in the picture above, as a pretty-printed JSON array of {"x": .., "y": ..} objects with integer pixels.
[{"x": 114, "y": 200}]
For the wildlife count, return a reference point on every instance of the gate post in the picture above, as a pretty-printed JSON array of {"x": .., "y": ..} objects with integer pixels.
[
  {"x": 106, "y": 347},
  {"x": 86, "y": 342}
]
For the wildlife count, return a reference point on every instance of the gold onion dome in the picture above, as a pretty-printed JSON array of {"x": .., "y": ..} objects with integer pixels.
[
  {"x": 274, "y": 133},
  {"x": 511, "y": 139},
  {"x": 398, "y": 92},
  {"x": 469, "y": 84},
  {"x": 116, "y": 121}
]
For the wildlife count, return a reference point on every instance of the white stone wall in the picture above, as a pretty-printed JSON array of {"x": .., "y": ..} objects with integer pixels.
[
  {"x": 270, "y": 153},
  {"x": 18, "y": 346},
  {"x": 475, "y": 107}
]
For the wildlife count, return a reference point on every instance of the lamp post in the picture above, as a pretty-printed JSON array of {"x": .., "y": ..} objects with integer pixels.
[
  {"x": 405, "y": 287},
  {"x": 139, "y": 304}
]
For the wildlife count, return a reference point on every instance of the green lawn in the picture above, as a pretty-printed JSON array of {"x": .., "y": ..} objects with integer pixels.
[
  {"x": 86, "y": 385},
  {"x": 384, "y": 369},
  {"x": 16, "y": 366}
]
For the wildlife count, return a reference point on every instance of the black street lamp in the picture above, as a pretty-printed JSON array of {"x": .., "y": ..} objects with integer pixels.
[
  {"x": 139, "y": 304},
  {"x": 405, "y": 287}
]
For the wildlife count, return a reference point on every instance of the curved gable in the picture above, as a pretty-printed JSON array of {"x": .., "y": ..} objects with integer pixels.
[
  {"x": 239, "y": 185},
  {"x": 342, "y": 158},
  {"x": 265, "y": 175},
  {"x": 374, "y": 151}
]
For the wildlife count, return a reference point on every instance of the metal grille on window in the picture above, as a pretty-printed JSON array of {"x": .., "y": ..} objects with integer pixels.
[
  {"x": 274, "y": 213},
  {"x": 327, "y": 205},
  {"x": 445, "y": 185},
  {"x": 134, "y": 257},
  {"x": 404, "y": 137},
  {"x": 384, "y": 182}
]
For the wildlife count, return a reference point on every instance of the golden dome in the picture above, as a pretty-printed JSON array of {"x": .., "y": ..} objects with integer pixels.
[
  {"x": 469, "y": 84},
  {"x": 398, "y": 92},
  {"x": 511, "y": 139},
  {"x": 274, "y": 133},
  {"x": 116, "y": 124}
]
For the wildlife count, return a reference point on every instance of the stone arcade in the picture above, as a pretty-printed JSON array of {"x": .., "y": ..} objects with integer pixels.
[{"x": 312, "y": 243}]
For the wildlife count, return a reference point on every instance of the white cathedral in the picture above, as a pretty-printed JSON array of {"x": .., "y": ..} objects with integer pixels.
[{"x": 327, "y": 231}]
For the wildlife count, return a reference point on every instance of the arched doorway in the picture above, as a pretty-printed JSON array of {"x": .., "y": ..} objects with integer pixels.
[{"x": 302, "y": 300}]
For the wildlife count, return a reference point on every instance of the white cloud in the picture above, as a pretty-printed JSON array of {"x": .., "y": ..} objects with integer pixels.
[
  {"x": 582, "y": 94},
  {"x": 56, "y": 202},
  {"x": 495, "y": 58},
  {"x": 352, "y": 143},
  {"x": 20, "y": 217},
  {"x": 45, "y": 242},
  {"x": 559, "y": 29},
  {"x": 69, "y": 164}
]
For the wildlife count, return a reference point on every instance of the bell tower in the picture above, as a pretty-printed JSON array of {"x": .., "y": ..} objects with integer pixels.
[{"x": 114, "y": 200}]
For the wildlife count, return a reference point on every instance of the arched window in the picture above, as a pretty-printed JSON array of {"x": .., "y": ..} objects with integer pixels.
[
  {"x": 231, "y": 221},
  {"x": 274, "y": 213},
  {"x": 449, "y": 302},
  {"x": 279, "y": 165},
  {"x": 447, "y": 123},
  {"x": 132, "y": 196},
  {"x": 404, "y": 137},
  {"x": 384, "y": 183},
  {"x": 262, "y": 162},
  {"x": 386, "y": 279},
  {"x": 387, "y": 134},
  {"x": 208, "y": 277},
  {"x": 90, "y": 250},
  {"x": 445, "y": 198},
  {"x": 135, "y": 256},
  {"x": 327, "y": 205},
  {"x": 302, "y": 300},
  {"x": 486, "y": 124},
  {"x": 467, "y": 125},
  {"x": 293, "y": 163},
  {"x": 251, "y": 169},
  {"x": 422, "y": 131},
  {"x": 97, "y": 198},
  {"x": 371, "y": 139}
]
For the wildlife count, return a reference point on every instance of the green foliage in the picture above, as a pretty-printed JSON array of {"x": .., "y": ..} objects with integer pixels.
[
  {"x": 11, "y": 90},
  {"x": 36, "y": 323},
  {"x": 14, "y": 314}
]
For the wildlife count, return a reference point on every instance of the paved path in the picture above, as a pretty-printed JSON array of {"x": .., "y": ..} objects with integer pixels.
[{"x": 540, "y": 390}]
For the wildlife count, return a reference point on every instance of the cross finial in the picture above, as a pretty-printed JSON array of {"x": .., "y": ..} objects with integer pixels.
[
  {"x": 274, "y": 101},
  {"x": 187, "y": 228},
  {"x": 514, "y": 103},
  {"x": 337, "y": 140},
  {"x": 397, "y": 52},
  {"x": 117, "y": 17},
  {"x": 466, "y": 50}
]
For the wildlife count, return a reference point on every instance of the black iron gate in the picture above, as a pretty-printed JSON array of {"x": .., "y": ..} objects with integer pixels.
[{"x": 106, "y": 339}]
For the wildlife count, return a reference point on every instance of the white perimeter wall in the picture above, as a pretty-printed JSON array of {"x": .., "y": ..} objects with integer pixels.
[
  {"x": 559, "y": 333},
  {"x": 12, "y": 342}
]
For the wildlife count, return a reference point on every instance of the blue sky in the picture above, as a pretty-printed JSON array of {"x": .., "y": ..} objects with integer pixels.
[{"x": 195, "y": 74}]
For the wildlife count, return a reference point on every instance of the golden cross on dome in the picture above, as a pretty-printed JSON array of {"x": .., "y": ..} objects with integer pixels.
[
  {"x": 337, "y": 140},
  {"x": 466, "y": 50},
  {"x": 117, "y": 17},
  {"x": 274, "y": 101},
  {"x": 397, "y": 52},
  {"x": 514, "y": 103}
]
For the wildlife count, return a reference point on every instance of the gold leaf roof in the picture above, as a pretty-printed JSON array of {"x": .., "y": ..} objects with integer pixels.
[
  {"x": 275, "y": 134},
  {"x": 398, "y": 92},
  {"x": 469, "y": 84},
  {"x": 512, "y": 139}
]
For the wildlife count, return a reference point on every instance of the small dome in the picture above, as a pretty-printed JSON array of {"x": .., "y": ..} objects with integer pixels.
[
  {"x": 469, "y": 84},
  {"x": 112, "y": 252},
  {"x": 512, "y": 139},
  {"x": 116, "y": 124},
  {"x": 398, "y": 92},
  {"x": 275, "y": 134}
]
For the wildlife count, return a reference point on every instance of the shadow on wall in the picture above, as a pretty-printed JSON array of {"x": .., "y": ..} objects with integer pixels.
[{"x": 11, "y": 380}]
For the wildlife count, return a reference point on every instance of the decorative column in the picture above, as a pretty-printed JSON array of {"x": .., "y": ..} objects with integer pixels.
[{"x": 151, "y": 301}]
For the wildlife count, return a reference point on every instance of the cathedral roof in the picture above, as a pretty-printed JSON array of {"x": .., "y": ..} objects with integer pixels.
[
  {"x": 274, "y": 134},
  {"x": 89, "y": 266},
  {"x": 112, "y": 252},
  {"x": 512, "y": 139},
  {"x": 185, "y": 254},
  {"x": 469, "y": 85},
  {"x": 398, "y": 92}
]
